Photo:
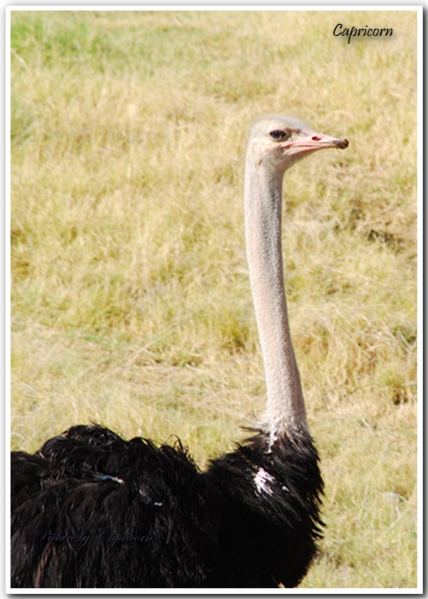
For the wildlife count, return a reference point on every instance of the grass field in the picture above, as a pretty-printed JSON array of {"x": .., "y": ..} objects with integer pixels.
[{"x": 131, "y": 303}]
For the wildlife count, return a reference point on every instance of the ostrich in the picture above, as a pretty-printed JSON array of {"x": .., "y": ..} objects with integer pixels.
[{"x": 90, "y": 509}]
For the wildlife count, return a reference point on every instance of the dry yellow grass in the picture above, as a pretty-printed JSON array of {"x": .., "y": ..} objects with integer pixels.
[{"x": 130, "y": 298}]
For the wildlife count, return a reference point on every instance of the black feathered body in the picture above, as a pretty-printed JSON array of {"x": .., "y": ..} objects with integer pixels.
[{"x": 90, "y": 509}]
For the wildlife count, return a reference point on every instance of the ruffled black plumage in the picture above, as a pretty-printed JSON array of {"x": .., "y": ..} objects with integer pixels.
[{"x": 251, "y": 520}]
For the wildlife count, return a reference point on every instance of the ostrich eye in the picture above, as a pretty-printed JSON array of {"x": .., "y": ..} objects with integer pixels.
[{"x": 278, "y": 135}]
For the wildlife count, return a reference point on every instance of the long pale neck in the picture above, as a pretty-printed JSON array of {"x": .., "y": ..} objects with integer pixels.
[{"x": 263, "y": 200}]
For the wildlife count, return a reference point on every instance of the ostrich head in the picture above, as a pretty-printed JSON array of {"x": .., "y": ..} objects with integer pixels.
[{"x": 279, "y": 142}]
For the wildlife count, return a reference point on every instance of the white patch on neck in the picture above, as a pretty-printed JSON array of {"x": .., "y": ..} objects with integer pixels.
[
  {"x": 272, "y": 439},
  {"x": 263, "y": 480}
]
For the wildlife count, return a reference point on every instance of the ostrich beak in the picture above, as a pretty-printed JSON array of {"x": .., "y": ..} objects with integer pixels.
[{"x": 310, "y": 141}]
